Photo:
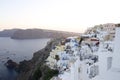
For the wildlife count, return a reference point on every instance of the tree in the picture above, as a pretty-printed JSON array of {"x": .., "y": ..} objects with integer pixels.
[{"x": 57, "y": 57}]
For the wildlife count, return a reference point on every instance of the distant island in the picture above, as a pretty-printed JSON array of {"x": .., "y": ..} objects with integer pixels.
[
  {"x": 7, "y": 32},
  {"x": 35, "y": 33}
]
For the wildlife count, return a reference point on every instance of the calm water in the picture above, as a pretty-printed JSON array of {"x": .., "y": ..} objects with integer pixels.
[{"x": 17, "y": 50}]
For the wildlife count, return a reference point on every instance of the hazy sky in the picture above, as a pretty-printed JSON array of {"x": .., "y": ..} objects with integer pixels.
[{"x": 67, "y": 15}]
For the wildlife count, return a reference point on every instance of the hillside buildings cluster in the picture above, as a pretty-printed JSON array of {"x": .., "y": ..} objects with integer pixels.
[{"x": 91, "y": 56}]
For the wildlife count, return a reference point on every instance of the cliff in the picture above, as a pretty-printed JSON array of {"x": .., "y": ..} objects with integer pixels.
[
  {"x": 41, "y": 33},
  {"x": 35, "y": 69}
]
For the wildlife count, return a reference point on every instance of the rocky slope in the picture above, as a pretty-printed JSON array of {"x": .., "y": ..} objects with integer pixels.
[{"x": 35, "y": 69}]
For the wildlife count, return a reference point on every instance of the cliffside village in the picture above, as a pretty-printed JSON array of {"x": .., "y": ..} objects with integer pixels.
[{"x": 90, "y": 56}]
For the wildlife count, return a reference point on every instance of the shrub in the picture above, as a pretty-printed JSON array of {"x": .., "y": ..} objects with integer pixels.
[
  {"x": 37, "y": 74},
  {"x": 50, "y": 73}
]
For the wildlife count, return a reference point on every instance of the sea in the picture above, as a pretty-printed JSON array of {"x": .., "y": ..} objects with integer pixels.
[{"x": 17, "y": 50}]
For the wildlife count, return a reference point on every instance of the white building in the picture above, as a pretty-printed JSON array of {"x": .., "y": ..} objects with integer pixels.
[{"x": 109, "y": 27}]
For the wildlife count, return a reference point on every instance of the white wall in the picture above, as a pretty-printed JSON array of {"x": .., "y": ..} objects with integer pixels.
[
  {"x": 116, "y": 54},
  {"x": 102, "y": 63}
]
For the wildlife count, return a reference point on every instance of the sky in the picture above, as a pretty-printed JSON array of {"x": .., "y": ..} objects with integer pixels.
[{"x": 65, "y": 15}]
